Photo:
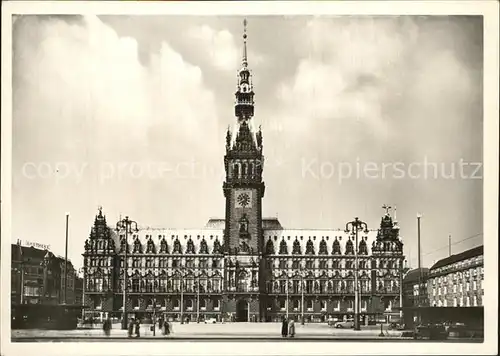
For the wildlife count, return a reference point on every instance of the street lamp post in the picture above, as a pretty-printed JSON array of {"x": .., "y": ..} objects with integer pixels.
[
  {"x": 82, "y": 271},
  {"x": 356, "y": 225},
  {"x": 287, "y": 297},
  {"x": 198, "y": 298},
  {"x": 182, "y": 297},
  {"x": 419, "y": 215},
  {"x": 66, "y": 261},
  {"x": 129, "y": 226},
  {"x": 302, "y": 294}
]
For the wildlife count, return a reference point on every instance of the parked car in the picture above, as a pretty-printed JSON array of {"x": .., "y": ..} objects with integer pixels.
[
  {"x": 211, "y": 321},
  {"x": 431, "y": 331},
  {"x": 344, "y": 324}
]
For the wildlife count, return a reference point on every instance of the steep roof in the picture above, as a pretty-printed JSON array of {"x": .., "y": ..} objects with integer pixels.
[
  {"x": 414, "y": 274},
  {"x": 267, "y": 224},
  {"x": 473, "y": 252},
  {"x": 27, "y": 252}
]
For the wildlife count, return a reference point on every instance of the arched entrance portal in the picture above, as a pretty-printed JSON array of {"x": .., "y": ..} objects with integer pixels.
[{"x": 242, "y": 310}]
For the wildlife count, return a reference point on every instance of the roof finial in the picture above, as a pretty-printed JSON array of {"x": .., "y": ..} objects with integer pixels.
[{"x": 244, "y": 61}]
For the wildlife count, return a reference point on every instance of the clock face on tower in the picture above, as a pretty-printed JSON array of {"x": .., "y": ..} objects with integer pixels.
[{"x": 243, "y": 199}]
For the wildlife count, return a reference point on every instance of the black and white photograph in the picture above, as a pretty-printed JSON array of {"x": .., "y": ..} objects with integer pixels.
[{"x": 176, "y": 179}]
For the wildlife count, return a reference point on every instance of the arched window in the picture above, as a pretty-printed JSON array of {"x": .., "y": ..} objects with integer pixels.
[
  {"x": 236, "y": 169},
  {"x": 244, "y": 170},
  {"x": 252, "y": 170}
]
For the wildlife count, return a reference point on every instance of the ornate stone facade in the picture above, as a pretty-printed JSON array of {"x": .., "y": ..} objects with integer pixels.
[{"x": 244, "y": 267}]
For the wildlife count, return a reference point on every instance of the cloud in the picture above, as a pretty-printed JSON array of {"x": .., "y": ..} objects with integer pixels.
[
  {"x": 219, "y": 45},
  {"x": 224, "y": 53},
  {"x": 85, "y": 76},
  {"x": 377, "y": 81}
]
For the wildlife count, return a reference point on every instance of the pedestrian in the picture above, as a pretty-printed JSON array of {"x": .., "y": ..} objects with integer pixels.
[
  {"x": 130, "y": 327},
  {"x": 107, "y": 326},
  {"x": 291, "y": 328},
  {"x": 166, "y": 329},
  {"x": 284, "y": 328},
  {"x": 137, "y": 328}
]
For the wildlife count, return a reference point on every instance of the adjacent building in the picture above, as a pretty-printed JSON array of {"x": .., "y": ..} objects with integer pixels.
[
  {"x": 37, "y": 277},
  {"x": 244, "y": 267},
  {"x": 415, "y": 296},
  {"x": 457, "y": 280}
]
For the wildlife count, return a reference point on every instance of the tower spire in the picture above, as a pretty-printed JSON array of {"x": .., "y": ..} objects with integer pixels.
[
  {"x": 244, "y": 61},
  {"x": 244, "y": 106}
]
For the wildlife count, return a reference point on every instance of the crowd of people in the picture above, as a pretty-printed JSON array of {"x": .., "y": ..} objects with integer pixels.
[{"x": 134, "y": 327}]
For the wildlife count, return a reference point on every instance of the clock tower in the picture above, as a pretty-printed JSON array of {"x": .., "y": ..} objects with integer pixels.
[{"x": 243, "y": 188}]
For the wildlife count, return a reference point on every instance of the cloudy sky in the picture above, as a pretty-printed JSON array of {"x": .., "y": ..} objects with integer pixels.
[{"x": 130, "y": 112}]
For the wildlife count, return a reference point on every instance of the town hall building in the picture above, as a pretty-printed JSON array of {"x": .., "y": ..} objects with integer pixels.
[{"x": 244, "y": 267}]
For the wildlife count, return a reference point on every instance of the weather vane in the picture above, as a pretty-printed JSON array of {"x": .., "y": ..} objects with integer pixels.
[{"x": 387, "y": 208}]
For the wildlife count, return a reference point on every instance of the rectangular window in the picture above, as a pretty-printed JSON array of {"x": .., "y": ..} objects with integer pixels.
[
  {"x": 310, "y": 305},
  {"x": 336, "y": 305},
  {"x": 203, "y": 304},
  {"x": 217, "y": 305},
  {"x": 350, "y": 305},
  {"x": 282, "y": 304},
  {"x": 323, "y": 305},
  {"x": 364, "y": 305},
  {"x": 296, "y": 305},
  {"x": 177, "y": 304},
  {"x": 189, "y": 304},
  {"x": 474, "y": 300},
  {"x": 474, "y": 285},
  {"x": 454, "y": 288},
  {"x": 216, "y": 285}
]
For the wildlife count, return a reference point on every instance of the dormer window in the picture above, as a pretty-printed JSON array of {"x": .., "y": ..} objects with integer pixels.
[
  {"x": 322, "y": 248},
  {"x": 309, "y": 248},
  {"x": 137, "y": 246},
  {"x": 217, "y": 246},
  {"x": 163, "y": 246},
  {"x": 203, "y": 247},
  {"x": 349, "y": 247},
  {"x": 363, "y": 248},
  {"x": 270, "y": 247},
  {"x": 336, "y": 247},
  {"x": 151, "y": 246},
  {"x": 283, "y": 248},
  {"x": 296, "y": 247},
  {"x": 177, "y": 246},
  {"x": 190, "y": 246}
]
